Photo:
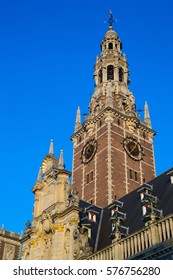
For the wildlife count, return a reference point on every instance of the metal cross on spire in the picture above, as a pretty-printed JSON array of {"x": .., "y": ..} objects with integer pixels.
[{"x": 111, "y": 18}]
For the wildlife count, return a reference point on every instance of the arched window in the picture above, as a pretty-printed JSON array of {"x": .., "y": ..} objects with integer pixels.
[
  {"x": 110, "y": 72},
  {"x": 121, "y": 75},
  {"x": 100, "y": 76},
  {"x": 110, "y": 46}
]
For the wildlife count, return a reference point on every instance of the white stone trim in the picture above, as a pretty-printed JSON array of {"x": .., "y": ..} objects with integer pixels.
[
  {"x": 95, "y": 171},
  {"x": 125, "y": 163},
  {"x": 109, "y": 166}
]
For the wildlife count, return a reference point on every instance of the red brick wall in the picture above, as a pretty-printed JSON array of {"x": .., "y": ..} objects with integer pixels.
[{"x": 121, "y": 163}]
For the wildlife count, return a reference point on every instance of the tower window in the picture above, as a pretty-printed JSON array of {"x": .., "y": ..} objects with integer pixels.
[
  {"x": 110, "y": 72},
  {"x": 100, "y": 76},
  {"x": 87, "y": 178},
  {"x": 130, "y": 172},
  {"x": 136, "y": 176},
  {"x": 110, "y": 46},
  {"x": 91, "y": 176},
  {"x": 121, "y": 75}
]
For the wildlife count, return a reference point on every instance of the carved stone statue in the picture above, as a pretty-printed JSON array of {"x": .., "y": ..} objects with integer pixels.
[
  {"x": 67, "y": 243},
  {"x": 46, "y": 222},
  {"x": 81, "y": 244},
  {"x": 74, "y": 199},
  {"x": 9, "y": 252},
  {"x": 109, "y": 89},
  {"x": 67, "y": 190}
]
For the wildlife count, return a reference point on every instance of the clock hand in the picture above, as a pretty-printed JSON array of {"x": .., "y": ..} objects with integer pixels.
[{"x": 133, "y": 148}]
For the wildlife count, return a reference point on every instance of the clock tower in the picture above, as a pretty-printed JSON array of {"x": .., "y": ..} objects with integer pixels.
[{"x": 113, "y": 148}]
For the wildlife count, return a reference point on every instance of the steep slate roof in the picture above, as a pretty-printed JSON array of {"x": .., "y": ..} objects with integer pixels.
[
  {"x": 84, "y": 220},
  {"x": 101, "y": 229}
]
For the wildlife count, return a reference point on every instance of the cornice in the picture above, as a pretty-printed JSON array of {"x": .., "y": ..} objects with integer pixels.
[
  {"x": 10, "y": 235},
  {"x": 66, "y": 211},
  {"x": 93, "y": 119}
]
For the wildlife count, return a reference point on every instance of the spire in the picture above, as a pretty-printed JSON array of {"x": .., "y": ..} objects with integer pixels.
[
  {"x": 111, "y": 66},
  {"x": 78, "y": 119},
  {"x": 51, "y": 148},
  {"x": 39, "y": 178},
  {"x": 147, "y": 119},
  {"x": 61, "y": 160}
]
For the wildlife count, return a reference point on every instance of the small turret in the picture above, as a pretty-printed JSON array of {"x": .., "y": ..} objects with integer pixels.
[
  {"x": 147, "y": 119},
  {"x": 40, "y": 175},
  {"x": 51, "y": 148},
  {"x": 78, "y": 119},
  {"x": 61, "y": 160},
  {"x": 39, "y": 182}
]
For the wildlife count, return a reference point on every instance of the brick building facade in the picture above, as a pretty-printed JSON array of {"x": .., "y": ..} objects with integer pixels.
[{"x": 114, "y": 207}]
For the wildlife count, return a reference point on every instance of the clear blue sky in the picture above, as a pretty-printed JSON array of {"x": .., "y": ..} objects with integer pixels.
[{"x": 47, "y": 53}]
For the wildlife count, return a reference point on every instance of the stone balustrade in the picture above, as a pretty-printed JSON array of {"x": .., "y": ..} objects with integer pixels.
[{"x": 153, "y": 234}]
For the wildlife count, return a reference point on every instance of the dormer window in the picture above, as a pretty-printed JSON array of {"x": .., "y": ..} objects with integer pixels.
[
  {"x": 121, "y": 74},
  {"x": 92, "y": 216},
  {"x": 110, "y": 72},
  {"x": 149, "y": 203},
  {"x": 170, "y": 174},
  {"x": 110, "y": 46},
  {"x": 144, "y": 207},
  {"x": 171, "y": 179}
]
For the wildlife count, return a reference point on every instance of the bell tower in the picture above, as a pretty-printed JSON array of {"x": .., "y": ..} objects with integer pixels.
[{"x": 113, "y": 148}]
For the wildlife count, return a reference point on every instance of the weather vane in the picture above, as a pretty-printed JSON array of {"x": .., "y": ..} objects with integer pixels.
[{"x": 111, "y": 18}]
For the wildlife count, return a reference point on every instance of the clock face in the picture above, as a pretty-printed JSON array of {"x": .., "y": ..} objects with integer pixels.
[
  {"x": 89, "y": 151},
  {"x": 133, "y": 148}
]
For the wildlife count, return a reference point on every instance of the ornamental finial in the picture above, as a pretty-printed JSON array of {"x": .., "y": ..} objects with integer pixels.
[
  {"x": 51, "y": 148},
  {"x": 111, "y": 18}
]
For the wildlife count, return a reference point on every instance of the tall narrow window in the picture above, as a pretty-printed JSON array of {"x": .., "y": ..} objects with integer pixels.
[
  {"x": 136, "y": 176},
  {"x": 130, "y": 172},
  {"x": 121, "y": 75},
  {"x": 110, "y": 72},
  {"x": 100, "y": 76},
  {"x": 110, "y": 46},
  {"x": 91, "y": 176},
  {"x": 87, "y": 178}
]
